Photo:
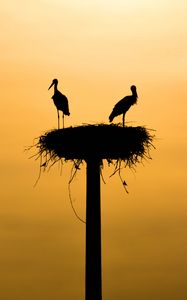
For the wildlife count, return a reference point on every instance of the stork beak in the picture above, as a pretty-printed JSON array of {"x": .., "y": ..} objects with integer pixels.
[{"x": 51, "y": 85}]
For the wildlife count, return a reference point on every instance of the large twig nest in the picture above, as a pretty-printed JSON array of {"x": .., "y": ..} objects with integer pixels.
[{"x": 110, "y": 142}]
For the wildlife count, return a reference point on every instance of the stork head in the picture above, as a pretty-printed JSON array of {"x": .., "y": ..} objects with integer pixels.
[
  {"x": 54, "y": 82},
  {"x": 133, "y": 89}
]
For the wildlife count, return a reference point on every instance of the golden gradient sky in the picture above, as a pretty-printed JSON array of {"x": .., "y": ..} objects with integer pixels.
[{"x": 96, "y": 49}]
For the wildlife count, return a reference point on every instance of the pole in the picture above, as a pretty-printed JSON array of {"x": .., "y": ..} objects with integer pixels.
[{"x": 93, "y": 232}]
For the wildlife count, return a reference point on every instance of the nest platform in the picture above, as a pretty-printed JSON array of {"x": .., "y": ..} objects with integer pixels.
[{"x": 110, "y": 142}]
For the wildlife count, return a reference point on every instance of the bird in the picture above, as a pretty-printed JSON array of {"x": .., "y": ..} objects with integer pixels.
[
  {"x": 60, "y": 101},
  {"x": 123, "y": 105}
]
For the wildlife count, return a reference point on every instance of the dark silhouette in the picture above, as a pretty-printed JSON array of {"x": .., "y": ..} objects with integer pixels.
[
  {"x": 60, "y": 101},
  {"x": 123, "y": 105},
  {"x": 121, "y": 146},
  {"x": 93, "y": 278}
]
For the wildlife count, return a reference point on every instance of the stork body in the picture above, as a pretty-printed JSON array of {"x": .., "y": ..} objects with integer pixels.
[
  {"x": 123, "y": 105},
  {"x": 60, "y": 101}
]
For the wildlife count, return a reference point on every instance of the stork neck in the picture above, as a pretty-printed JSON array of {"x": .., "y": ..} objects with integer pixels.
[
  {"x": 55, "y": 87},
  {"x": 134, "y": 93}
]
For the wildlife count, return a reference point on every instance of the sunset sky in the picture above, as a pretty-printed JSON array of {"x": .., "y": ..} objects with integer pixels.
[{"x": 97, "y": 50}]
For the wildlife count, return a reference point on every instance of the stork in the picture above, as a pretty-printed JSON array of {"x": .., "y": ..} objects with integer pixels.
[
  {"x": 123, "y": 105},
  {"x": 60, "y": 101}
]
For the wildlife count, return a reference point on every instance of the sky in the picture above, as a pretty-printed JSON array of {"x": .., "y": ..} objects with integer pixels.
[{"x": 97, "y": 50}]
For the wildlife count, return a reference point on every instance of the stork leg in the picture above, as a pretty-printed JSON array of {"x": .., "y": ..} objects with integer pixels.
[
  {"x": 63, "y": 119},
  {"x": 58, "y": 119},
  {"x": 123, "y": 120}
]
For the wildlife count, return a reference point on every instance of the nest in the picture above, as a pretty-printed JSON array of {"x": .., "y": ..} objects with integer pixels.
[{"x": 111, "y": 142}]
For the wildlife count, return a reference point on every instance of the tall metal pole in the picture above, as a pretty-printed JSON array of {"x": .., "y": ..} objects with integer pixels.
[{"x": 93, "y": 280}]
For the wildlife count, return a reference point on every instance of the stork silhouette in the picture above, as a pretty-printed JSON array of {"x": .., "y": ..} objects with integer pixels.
[
  {"x": 123, "y": 105},
  {"x": 60, "y": 101}
]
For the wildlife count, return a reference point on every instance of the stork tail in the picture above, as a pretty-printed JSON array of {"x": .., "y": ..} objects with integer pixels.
[{"x": 111, "y": 117}]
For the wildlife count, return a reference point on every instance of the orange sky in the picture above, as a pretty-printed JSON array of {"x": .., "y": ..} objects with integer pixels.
[{"x": 96, "y": 49}]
